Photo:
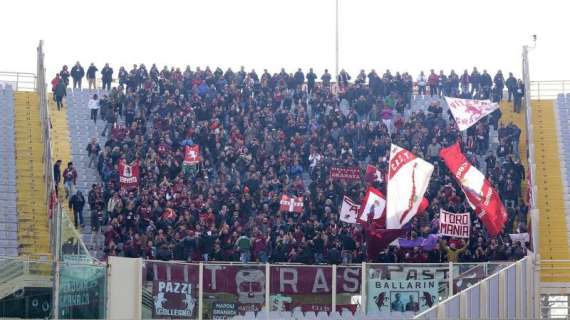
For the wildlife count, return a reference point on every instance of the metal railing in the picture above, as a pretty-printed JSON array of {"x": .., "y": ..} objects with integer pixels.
[
  {"x": 344, "y": 287},
  {"x": 548, "y": 90},
  {"x": 19, "y": 81}
]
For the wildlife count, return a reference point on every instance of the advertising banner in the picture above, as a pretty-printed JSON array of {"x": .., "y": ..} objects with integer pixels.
[{"x": 399, "y": 296}]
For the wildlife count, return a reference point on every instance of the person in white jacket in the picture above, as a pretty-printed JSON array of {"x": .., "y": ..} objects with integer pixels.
[
  {"x": 422, "y": 81},
  {"x": 93, "y": 105}
]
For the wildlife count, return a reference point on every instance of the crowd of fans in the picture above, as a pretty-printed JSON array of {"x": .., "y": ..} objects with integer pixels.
[{"x": 262, "y": 136}]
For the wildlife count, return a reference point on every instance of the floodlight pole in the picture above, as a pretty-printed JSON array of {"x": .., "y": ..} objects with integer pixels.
[{"x": 336, "y": 40}]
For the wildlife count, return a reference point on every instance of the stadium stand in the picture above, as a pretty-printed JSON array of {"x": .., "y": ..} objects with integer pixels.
[
  {"x": 8, "y": 214},
  {"x": 33, "y": 232},
  {"x": 216, "y": 110}
]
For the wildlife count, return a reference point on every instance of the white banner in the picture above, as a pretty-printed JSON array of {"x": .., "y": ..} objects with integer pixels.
[
  {"x": 455, "y": 225},
  {"x": 349, "y": 210},
  {"x": 408, "y": 179},
  {"x": 521, "y": 237},
  {"x": 467, "y": 112}
]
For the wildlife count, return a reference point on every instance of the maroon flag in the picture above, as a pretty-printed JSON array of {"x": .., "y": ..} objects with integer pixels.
[
  {"x": 129, "y": 174},
  {"x": 482, "y": 197}
]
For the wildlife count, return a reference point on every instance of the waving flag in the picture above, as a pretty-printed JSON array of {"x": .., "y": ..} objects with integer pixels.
[
  {"x": 191, "y": 155},
  {"x": 129, "y": 174},
  {"x": 408, "y": 179},
  {"x": 372, "y": 208},
  {"x": 482, "y": 197},
  {"x": 467, "y": 112},
  {"x": 372, "y": 174},
  {"x": 349, "y": 210}
]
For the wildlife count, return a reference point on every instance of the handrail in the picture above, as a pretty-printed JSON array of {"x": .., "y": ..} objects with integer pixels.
[
  {"x": 549, "y": 89},
  {"x": 20, "y": 81}
]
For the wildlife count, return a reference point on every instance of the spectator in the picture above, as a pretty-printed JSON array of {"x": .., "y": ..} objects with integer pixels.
[
  {"x": 518, "y": 95},
  {"x": 93, "y": 105},
  {"x": 422, "y": 84},
  {"x": 59, "y": 93},
  {"x": 511, "y": 85},
  {"x": 91, "y": 76},
  {"x": 57, "y": 175},
  {"x": 76, "y": 203},
  {"x": 64, "y": 74},
  {"x": 93, "y": 150},
  {"x": 499, "y": 81},
  {"x": 107, "y": 77},
  {"x": 77, "y": 74},
  {"x": 326, "y": 78},
  {"x": 433, "y": 81},
  {"x": 69, "y": 179}
]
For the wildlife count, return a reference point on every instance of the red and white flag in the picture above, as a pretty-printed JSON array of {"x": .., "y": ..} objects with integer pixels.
[
  {"x": 191, "y": 155},
  {"x": 129, "y": 174},
  {"x": 467, "y": 112},
  {"x": 408, "y": 179},
  {"x": 291, "y": 204},
  {"x": 482, "y": 197},
  {"x": 349, "y": 210},
  {"x": 373, "y": 206},
  {"x": 372, "y": 174}
]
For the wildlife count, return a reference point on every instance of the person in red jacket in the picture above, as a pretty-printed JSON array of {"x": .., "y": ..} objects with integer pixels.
[
  {"x": 433, "y": 80},
  {"x": 69, "y": 179},
  {"x": 54, "y": 83}
]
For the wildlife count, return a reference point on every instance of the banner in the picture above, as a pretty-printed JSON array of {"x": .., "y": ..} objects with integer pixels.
[
  {"x": 427, "y": 244},
  {"x": 191, "y": 155},
  {"x": 467, "y": 112},
  {"x": 454, "y": 224},
  {"x": 224, "y": 310},
  {"x": 482, "y": 197},
  {"x": 399, "y": 296},
  {"x": 349, "y": 210},
  {"x": 520, "y": 237},
  {"x": 372, "y": 207},
  {"x": 408, "y": 179},
  {"x": 129, "y": 174},
  {"x": 173, "y": 299},
  {"x": 291, "y": 204},
  {"x": 338, "y": 173},
  {"x": 372, "y": 174}
]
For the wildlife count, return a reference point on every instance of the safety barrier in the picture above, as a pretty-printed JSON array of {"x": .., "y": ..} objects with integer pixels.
[
  {"x": 507, "y": 294},
  {"x": 212, "y": 290},
  {"x": 19, "y": 81},
  {"x": 548, "y": 90}
]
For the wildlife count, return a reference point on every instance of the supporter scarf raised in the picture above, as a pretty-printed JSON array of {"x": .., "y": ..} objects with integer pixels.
[
  {"x": 191, "y": 155},
  {"x": 291, "y": 204},
  {"x": 482, "y": 197},
  {"x": 129, "y": 174},
  {"x": 408, "y": 179}
]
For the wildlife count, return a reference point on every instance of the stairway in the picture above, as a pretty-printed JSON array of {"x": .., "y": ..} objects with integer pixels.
[
  {"x": 8, "y": 214},
  {"x": 33, "y": 233},
  {"x": 553, "y": 233},
  {"x": 71, "y": 132}
]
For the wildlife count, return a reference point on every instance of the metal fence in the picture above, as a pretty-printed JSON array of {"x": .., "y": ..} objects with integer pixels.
[
  {"x": 548, "y": 90},
  {"x": 226, "y": 290},
  {"x": 19, "y": 81}
]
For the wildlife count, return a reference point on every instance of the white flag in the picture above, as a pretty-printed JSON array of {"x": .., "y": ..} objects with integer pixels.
[
  {"x": 467, "y": 112},
  {"x": 349, "y": 210},
  {"x": 408, "y": 179},
  {"x": 373, "y": 206}
]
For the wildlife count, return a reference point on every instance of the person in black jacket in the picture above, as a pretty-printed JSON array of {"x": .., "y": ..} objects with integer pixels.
[
  {"x": 511, "y": 84},
  {"x": 57, "y": 175},
  {"x": 77, "y": 202},
  {"x": 64, "y": 74},
  {"x": 77, "y": 73},
  {"x": 311, "y": 77},
  {"x": 59, "y": 93},
  {"x": 91, "y": 75},
  {"x": 107, "y": 77}
]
